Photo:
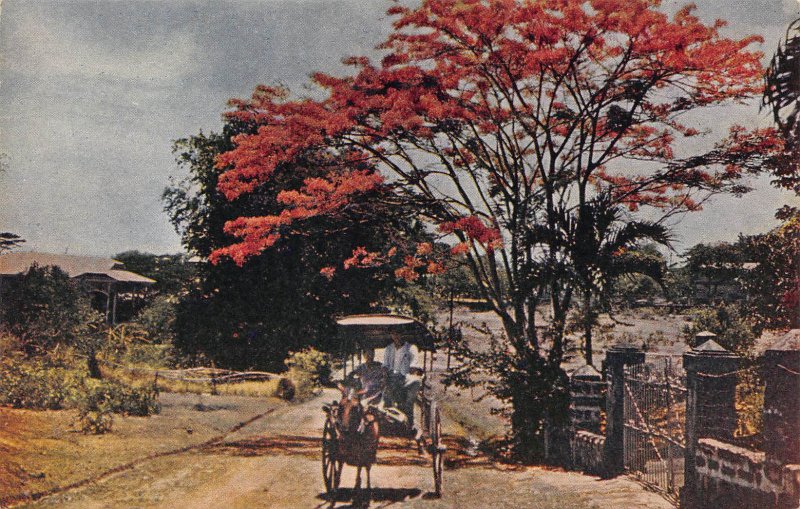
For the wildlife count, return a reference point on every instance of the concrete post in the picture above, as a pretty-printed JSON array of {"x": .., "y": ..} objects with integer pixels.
[
  {"x": 616, "y": 359},
  {"x": 710, "y": 404},
  {"x": 782, "y": 406}
]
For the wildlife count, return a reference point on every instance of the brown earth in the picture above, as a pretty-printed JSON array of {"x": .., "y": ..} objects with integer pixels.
[
  {"x": 274, "y": 462},
  {"x": 42, "y": 451}
]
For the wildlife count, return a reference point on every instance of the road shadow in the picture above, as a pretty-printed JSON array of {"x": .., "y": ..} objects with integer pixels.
[{"x": 356, "y": 498}]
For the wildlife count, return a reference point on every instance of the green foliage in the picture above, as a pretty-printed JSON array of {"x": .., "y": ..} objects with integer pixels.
[
  {"x": 96, "y": 422},
  {"x": 678, "y": 284},
  {"x": 310, "y": 369},
  {"x": 101, "y": 399},
  {"x": 157, "y": 320},
  {"x": 37, "y": 384},
  {"x": 9, "y": 344},
  {"x": 715, "y": 271},
  {"x": 773, "y": 285},
  {"x": 458, "y": 280},
  {"x": 279, "y": 301},
  {"x": 632, "y": 286},
  {"x": 728, "y": 322},
  {"x": 414, "y": 299},
  {"x": 43, "y": 308},
  {"x": 150, "y": 355},
  {"x": 171, "y": 272},
  {"x": 119, "y": 398},
  {"x": 45, "y": 383},
  {"x": 534, "y": 390}
]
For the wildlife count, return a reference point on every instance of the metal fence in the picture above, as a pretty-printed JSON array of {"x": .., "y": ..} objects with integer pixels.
[{"x": 654, "y": 420}]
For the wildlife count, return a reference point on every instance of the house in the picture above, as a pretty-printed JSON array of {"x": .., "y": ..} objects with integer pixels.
[{"x": 105, "y": 279}]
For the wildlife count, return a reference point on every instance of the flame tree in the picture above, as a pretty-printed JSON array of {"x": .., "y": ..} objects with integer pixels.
[{"x": 508, "y": 125}]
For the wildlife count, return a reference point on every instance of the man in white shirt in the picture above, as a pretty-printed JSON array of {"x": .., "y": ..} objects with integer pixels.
[{"x": 401, "y": 388}]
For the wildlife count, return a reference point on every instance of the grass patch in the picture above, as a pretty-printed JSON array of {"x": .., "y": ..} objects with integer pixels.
[{"x": 146, "y": 378}]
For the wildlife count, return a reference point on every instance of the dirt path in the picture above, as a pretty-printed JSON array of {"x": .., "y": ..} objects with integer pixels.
[{"x": 274, "y": 463}]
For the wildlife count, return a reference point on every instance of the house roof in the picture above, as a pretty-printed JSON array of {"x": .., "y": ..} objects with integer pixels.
[{"x": 13, "y": 264}]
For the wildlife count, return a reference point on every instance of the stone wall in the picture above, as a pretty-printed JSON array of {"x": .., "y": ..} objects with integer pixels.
[
  {"x": 717, "y": 474},
  {"x": 587, "y": 452},
  {"x": 731, "y": 476}
]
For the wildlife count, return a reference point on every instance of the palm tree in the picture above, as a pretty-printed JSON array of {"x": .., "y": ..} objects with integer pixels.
[
  {"x": 782, "y": 82},
  {"x": 601, "y": 242},
  {"x": 9, "y": 241}
]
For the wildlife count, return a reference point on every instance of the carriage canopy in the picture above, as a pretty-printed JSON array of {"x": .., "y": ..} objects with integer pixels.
[{"x": 375, "y": 331}]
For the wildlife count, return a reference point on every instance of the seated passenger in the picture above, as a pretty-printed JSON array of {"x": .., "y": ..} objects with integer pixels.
[{"x": 401, "y": 388}]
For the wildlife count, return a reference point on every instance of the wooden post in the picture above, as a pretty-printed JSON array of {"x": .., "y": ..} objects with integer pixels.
[
  {"x": 108, "y": 303},
  {"x": 114, "y": 309}
]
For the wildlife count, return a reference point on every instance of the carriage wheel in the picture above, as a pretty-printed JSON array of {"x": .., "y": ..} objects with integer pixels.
[
  {"x": 331, "y": 467},
  {"x": 437, "y": 451}
]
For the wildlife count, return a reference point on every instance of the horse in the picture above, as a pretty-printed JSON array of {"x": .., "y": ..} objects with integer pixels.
[{"x": 359, "y": 433}]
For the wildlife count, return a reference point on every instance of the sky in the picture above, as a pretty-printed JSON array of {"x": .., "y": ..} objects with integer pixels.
[{"x": 93, "y": 93}]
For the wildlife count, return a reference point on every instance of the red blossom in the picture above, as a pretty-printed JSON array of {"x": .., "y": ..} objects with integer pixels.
[
  {"x": 474, "y": 228},
  {"x": 328, "y": 272}
]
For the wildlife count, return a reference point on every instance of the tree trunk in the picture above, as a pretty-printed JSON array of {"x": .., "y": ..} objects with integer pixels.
[
  {"x": 587, "y": 325},
  {"x": 93, "y": 365}
]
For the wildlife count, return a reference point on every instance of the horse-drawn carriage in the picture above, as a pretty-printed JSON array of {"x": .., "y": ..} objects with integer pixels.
[{"x": 352, "y": 429}]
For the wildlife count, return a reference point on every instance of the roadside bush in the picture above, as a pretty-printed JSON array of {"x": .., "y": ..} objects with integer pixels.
[
  {"x": 101, "y": 399},
  {"x": 119, "y": 398},
  {"x": 41, "y": 384},
  {"x": 36, "y": 385},
  {"x": 286, "y": 389},
  {"x": 154, "y": 356},
  {"x": 310, "y": 370}
]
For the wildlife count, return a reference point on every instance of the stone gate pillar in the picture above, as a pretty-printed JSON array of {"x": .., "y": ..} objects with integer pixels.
[
  {"x": 616, "y": 359},
  {"x": 782, "y": 406},
  {"x": 587, "y": 396},
  {"x": 710, "y": 404}
]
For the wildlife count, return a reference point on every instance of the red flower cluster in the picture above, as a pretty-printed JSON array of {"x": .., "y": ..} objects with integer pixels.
[{"x": 475, "y": 229}]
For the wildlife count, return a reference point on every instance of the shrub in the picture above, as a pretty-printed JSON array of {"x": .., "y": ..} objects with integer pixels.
[
  {"x": 154, "y": 356},
  {"x": 158, "y": 320},
  {"x": 286, "y": 389},
  {"x": 119, "y": 398},
  {"x": 309, "y": 369},
  {"x": 101, "y": 399},
  {"x": 9, "y": 344},
  {"x": 36, "y": 385},
  {"x": 39, "y": 384},
  {"x": 312, "y": 362}
]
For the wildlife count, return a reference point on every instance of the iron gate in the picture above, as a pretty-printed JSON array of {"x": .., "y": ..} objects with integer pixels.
[{"x": 654, "y": 413}]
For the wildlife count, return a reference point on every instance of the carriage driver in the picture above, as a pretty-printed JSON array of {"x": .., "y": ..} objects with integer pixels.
[
  {"x": 402, "y": 386},
  {"x": 372, "y": 377}
]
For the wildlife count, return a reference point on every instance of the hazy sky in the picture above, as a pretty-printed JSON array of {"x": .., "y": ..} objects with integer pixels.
[{"x": 94, "y": 92}]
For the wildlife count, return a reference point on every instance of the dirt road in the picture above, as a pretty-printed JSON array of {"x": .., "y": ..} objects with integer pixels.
[{"x": 275, "y": 463}]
